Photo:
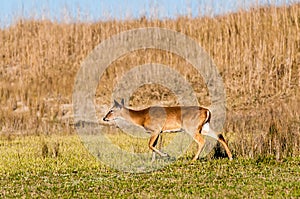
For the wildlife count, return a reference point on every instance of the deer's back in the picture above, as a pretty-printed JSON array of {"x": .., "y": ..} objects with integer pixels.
[{"x": 174, "y": 118}]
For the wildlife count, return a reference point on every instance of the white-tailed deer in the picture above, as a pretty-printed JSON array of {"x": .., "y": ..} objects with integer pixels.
[{"x": 156, "y": 120}]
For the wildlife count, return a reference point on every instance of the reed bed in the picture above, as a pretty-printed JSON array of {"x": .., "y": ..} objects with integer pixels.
[{"x": 257, "y": 53}]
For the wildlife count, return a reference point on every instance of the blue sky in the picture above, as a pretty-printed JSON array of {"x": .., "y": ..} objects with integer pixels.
[{"x": 92, "y": 10}]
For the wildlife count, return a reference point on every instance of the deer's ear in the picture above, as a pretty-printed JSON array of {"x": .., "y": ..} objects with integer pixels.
[
  {"x": 116, "y": 104},
  {"x": 122, "y": 102}
]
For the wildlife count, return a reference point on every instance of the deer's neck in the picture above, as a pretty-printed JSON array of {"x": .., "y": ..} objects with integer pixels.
[{"x": 134, "y": 116}]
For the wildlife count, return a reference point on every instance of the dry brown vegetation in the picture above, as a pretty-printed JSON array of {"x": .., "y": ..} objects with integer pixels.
[{"x": 256, "y": 52}]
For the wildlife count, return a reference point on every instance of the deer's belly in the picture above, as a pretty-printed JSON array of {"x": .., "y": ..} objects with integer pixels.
[
  {"x": 172, "y": 130},
  {"x": 172, "y": 127}
]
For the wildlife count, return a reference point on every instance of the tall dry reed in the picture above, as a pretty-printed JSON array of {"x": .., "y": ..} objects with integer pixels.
[{"x": 257, "y": 53}]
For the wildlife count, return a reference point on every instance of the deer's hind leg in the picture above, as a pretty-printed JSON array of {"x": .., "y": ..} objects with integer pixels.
[
  {"x": 222, "y": 140},
  {"x": 200, "y": 141},
  {"x": 198, "y": 137},
  {"x": 218, "y": 136}
]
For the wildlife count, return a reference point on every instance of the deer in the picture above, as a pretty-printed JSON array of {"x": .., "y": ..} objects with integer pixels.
[{"x": 158, "y": 119}]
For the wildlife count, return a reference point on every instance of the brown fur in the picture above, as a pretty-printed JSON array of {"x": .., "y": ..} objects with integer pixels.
[{"x": 167, "y": 119}]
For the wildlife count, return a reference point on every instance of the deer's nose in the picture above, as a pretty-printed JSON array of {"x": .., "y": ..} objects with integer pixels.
[{"x": 105, "y": 119}]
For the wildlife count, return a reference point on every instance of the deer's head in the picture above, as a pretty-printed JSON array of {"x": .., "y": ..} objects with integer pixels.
[{"x": 115, "y": 111}]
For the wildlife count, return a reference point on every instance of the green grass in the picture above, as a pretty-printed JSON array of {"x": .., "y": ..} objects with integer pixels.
[{"x": 61, "y": 167}]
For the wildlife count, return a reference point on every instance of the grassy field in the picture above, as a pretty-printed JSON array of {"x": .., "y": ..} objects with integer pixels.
[
  {"x": 257, "y": 54},
  {"x": 67, "y": 170}
]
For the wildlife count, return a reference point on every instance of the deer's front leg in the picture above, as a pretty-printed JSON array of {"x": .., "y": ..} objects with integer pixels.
[{"x": 152, "y": 143}]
